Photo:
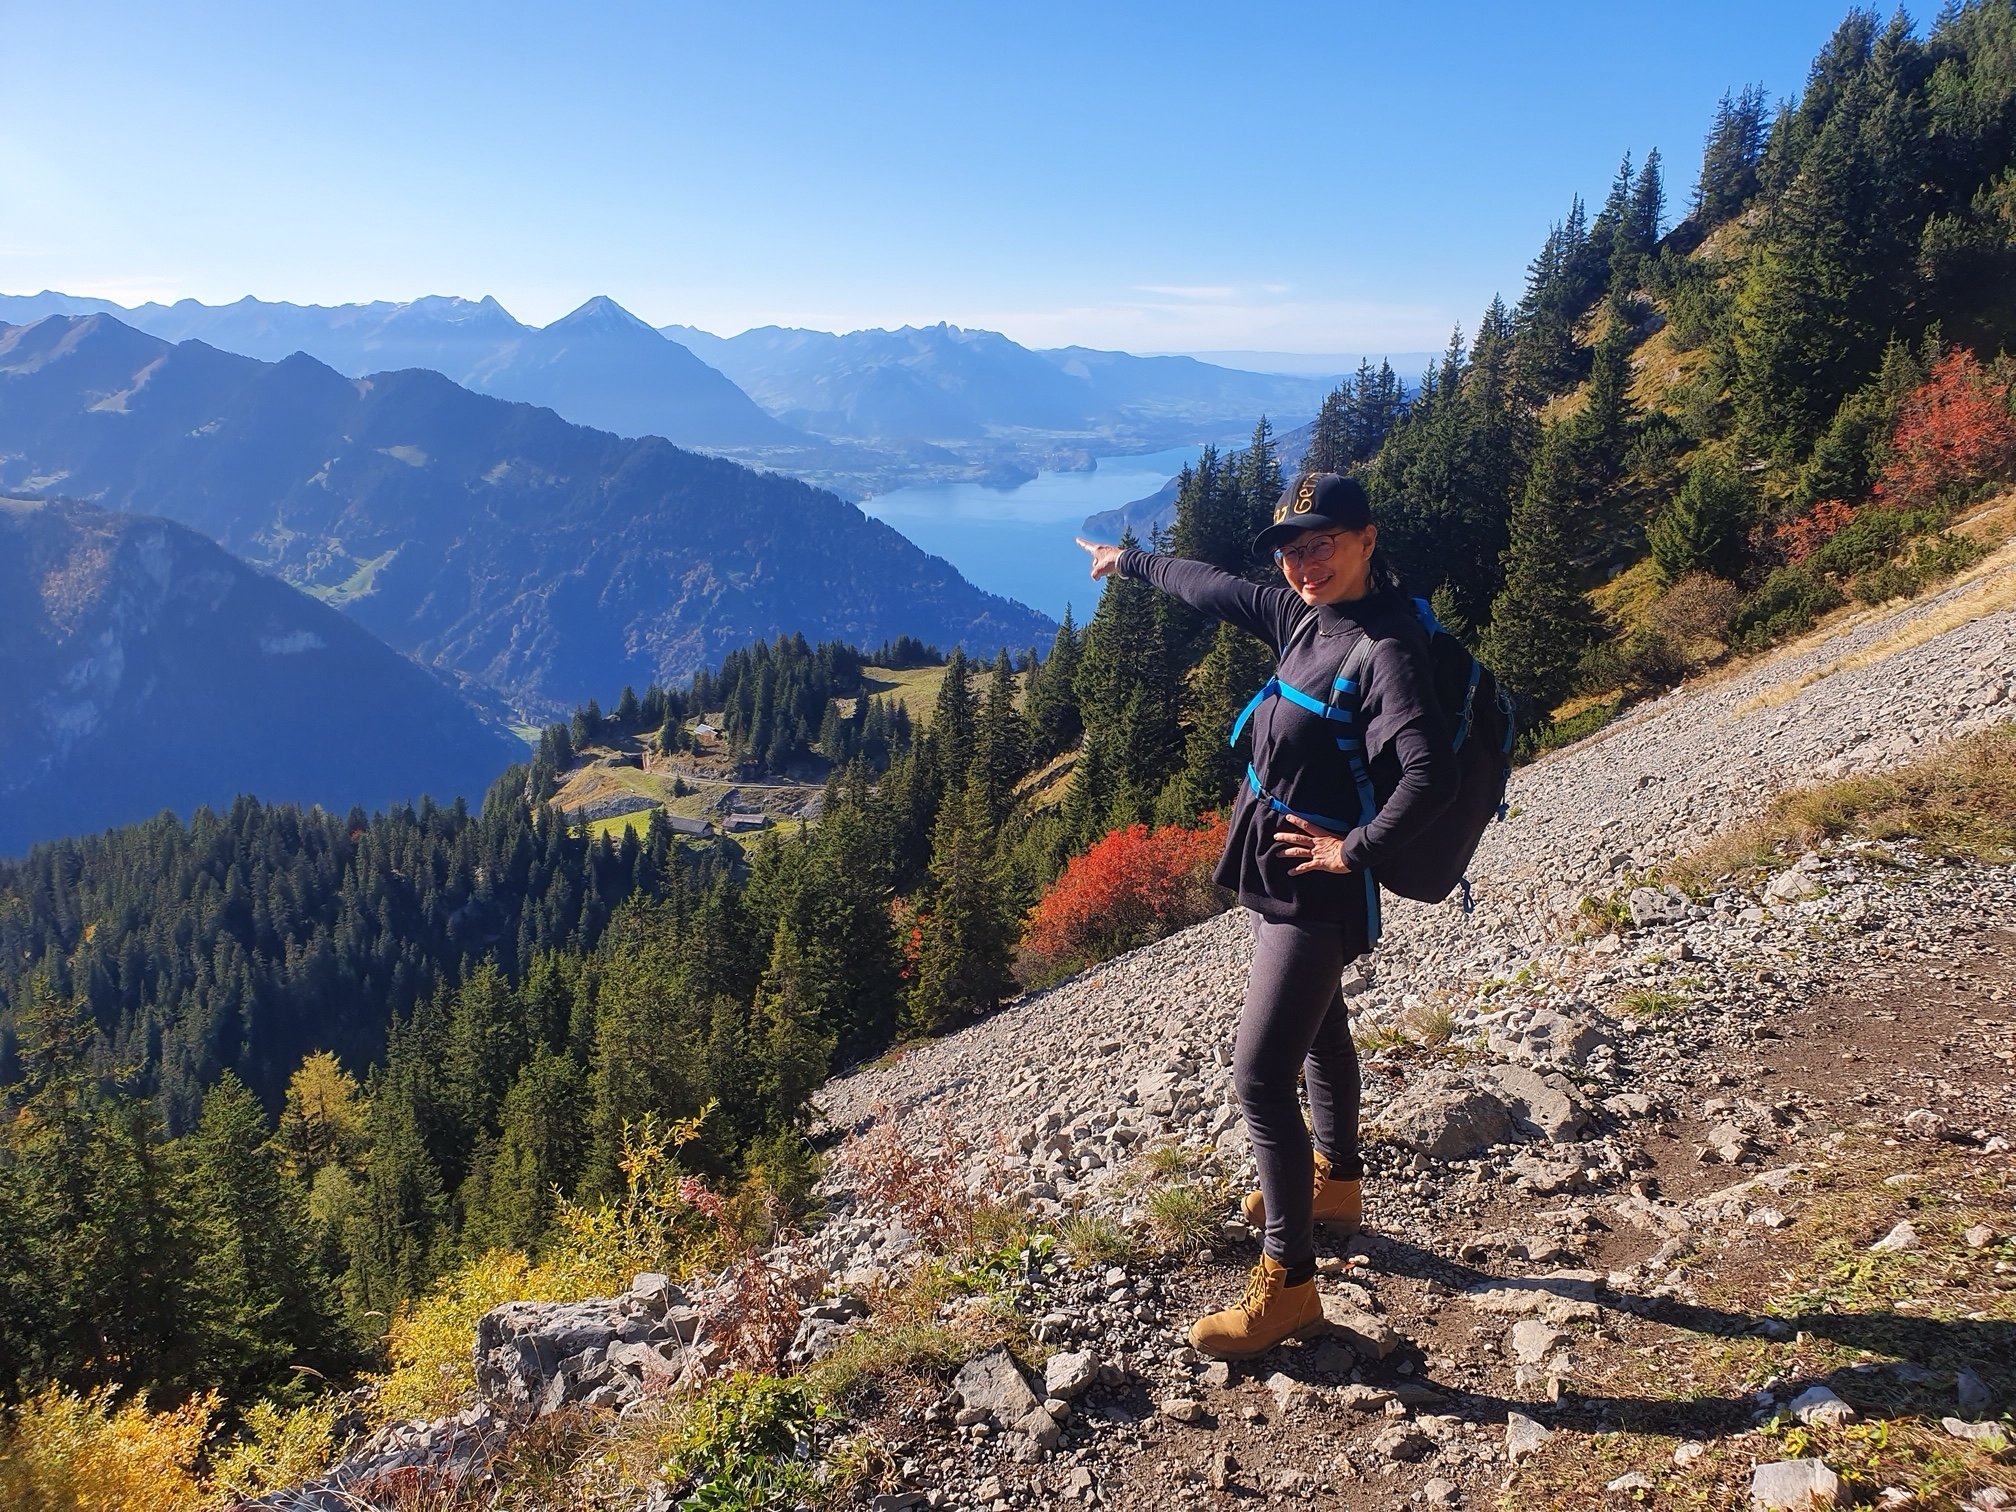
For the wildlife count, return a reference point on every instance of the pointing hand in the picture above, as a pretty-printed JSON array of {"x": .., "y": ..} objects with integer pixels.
[{"x": 1105, "y": 559}]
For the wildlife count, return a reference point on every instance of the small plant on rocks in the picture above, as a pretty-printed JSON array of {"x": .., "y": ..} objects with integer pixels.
[
  {"x": 747, "y": 1443},
  {"x": 1090, "y": 1240},
  {"x": 1182, "y": 1217},
  {"x": 1652, "y": 1003},
  {"x": 914, "y": 1172}
]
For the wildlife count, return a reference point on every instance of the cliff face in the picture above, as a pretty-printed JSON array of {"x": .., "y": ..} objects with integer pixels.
[{"x": 146, "y": 669}]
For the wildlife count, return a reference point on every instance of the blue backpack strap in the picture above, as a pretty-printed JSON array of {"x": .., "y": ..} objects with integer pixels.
[
  {"x": 1349, "y": 686},
  {"x": 1274, "y": 686},
  {"x": 1267, "y": 690},
  {"x": 1340, "y": 826}
]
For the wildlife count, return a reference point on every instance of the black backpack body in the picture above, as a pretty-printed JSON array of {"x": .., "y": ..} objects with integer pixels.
[{"x": 1480, "y": 721}]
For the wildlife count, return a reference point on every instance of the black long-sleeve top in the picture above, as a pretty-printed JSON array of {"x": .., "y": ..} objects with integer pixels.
[{"x": 1295, "y": 752}]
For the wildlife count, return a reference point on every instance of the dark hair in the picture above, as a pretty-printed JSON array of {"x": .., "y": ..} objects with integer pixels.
[{"x": 1383, "y": 577}]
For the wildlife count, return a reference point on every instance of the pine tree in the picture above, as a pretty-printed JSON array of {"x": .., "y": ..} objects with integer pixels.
[
  {"x": 1053, "y": 701},
  {"x": 258, "y": 1304},
  {"x": 1729, "y": 161},
  {"x": 1003, "y": 739},
  {"x": 538, "y": 1153},
  {"x": 1329, "y": 439},
  {"x": 791, "y": 1046},
  {"x": 955, "y": 727},
  {"x": 397, "y": 1231},
  {"x": 1540, "y": 623},
  {"x": 1232, "y": 669},
  {"x": 963, "y": 967},
  {"x": 1706, "y": 526},
  {"x": 1129, "y": 694}
]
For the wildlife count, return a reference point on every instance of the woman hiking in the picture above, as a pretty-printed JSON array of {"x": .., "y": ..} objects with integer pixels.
[{"x": 1307, "y": 834}]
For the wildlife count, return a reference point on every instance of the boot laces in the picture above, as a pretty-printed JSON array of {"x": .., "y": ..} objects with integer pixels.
[{"x": 1259, "y": 1287}]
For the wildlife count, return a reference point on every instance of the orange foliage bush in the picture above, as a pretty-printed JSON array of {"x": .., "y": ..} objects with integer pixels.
[
  {"x": 1133, "y": 887},
  {"x": 1955, "y": 431},
  {"x": 1800, "y": 538}
]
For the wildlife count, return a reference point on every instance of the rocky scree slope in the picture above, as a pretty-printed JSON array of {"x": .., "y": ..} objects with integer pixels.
[{"x": 1584, "y": 1146}]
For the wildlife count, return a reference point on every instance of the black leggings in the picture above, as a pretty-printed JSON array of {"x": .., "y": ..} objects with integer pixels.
[{"x": 1295, "y": 1022}]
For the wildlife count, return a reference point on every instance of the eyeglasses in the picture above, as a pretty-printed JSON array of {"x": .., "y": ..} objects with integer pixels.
[{"x": 1316, "y": 550}]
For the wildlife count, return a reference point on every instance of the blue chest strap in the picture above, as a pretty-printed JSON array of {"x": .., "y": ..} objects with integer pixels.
[{"x": 1275, "y": 688}]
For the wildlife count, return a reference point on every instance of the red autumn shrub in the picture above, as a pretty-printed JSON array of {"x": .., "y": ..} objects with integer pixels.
[
  {"x": 1800, "y": 538},
  {"x": 1132, "y": 888},
  {"x": 1955, "y": 432}
]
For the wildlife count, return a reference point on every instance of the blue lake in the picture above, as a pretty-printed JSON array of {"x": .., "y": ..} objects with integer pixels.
[{"x": 1017, "y": 541}]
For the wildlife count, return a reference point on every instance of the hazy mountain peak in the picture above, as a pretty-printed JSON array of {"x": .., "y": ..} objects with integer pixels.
[
  {"x": 600, "y": 313},
  {"x": 452, "y": 309}
]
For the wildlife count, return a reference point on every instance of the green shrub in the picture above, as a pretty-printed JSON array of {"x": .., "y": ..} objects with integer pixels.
[
  {"x": 1556, "y": 733},
  {"x": 1643, "y": 661},
  {"x": 1874, "y": 536},
  {"x": 1885, "y": 581},
  {"x": 1789, "y": 601},
  {"x": 738, "y": 1446}
]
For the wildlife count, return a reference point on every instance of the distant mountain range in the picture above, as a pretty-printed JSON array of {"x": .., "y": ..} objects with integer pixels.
[
  {"x": 546, "y": 560},
  {"x": 861, "y": 413},
  {"x": 599, "y": 366},
  {"x": 940, "y": 383},
  {"x": 147, "y": 668}
]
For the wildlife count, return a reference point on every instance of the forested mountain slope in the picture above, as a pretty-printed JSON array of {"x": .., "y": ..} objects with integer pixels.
[
  {"x": 541, "y": 558},
  {"x": 146, "y": 668}
]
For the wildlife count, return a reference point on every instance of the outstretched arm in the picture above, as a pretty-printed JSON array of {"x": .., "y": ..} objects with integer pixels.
[{"x": 1269, "y": 613}]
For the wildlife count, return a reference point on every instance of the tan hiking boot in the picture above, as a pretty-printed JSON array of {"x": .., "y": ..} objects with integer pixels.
[
  {"x": 1270, "y": 1311},
  {"x": 1339, "y": 1200}
]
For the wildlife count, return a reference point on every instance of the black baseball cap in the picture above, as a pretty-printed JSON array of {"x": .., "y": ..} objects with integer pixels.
[{"x": 1318, "y": 501}]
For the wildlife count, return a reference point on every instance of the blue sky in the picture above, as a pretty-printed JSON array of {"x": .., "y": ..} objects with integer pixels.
[{"x": 1324, "y": 177}]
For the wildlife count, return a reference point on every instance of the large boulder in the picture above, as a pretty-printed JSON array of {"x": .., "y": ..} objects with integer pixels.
[
  {"x": 1546, "y": 1106},
  {"x": 1444, "y": 1117},
  {"x": 993, "y": 1384},
  {"x": 533, "y": 1358}
]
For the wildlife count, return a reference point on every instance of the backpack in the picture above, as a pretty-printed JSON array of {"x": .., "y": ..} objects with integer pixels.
[{"x": 1480, "y": 719}]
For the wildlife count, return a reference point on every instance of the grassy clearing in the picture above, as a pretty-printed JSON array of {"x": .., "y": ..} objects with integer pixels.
[
  {"x": 1625, "y": 600},
  {"x": 916, "y": 688},
  {"x": 1658, "y": 367},
  {"x": 1959, "y": 802},
  {"x": 622, "y": 824},
  {"x": 1886, "y": 1332},
  {"x": 1046, "y": 786}
]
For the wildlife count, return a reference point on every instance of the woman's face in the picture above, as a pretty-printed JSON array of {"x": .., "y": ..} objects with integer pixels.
[{"x": 1342, "y": 575}]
